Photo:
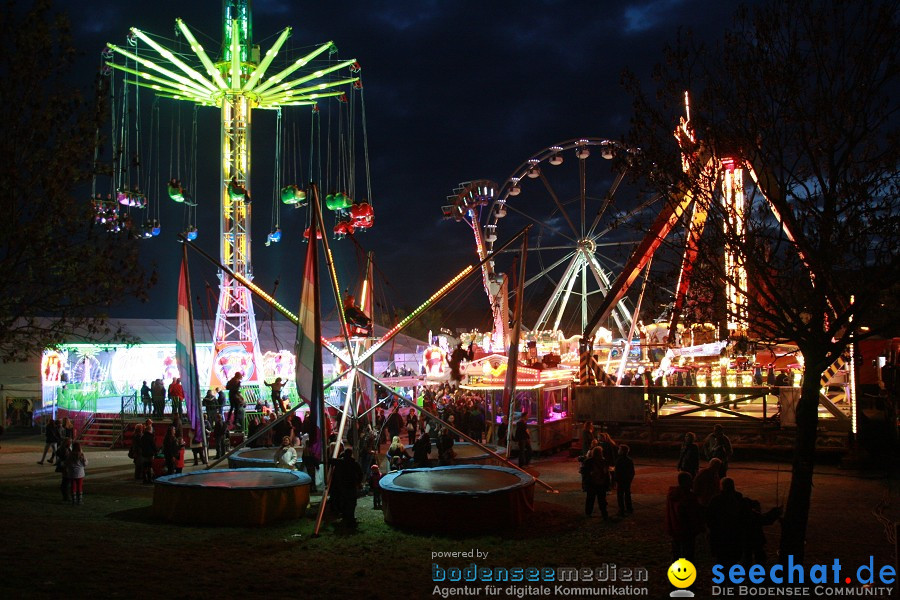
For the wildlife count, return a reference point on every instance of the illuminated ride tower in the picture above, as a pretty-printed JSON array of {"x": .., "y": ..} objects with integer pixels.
[{"x": 236, "y": 84}]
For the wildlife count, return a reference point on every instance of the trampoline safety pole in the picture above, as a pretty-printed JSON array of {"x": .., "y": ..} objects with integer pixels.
[{"x": 424, "y": 412}]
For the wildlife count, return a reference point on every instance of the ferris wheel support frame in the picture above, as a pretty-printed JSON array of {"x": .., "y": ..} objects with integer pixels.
[
  {"x": 697, "y": 156},
  {"x": 584, "y": 239}
]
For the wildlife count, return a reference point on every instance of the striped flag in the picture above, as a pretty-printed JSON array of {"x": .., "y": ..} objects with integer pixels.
[
  {"x": 308, "y": 347},
  {"x": 185, "y": 353}
]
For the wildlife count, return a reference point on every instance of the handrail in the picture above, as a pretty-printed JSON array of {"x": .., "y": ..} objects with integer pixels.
[
  {"x": 127, "y": 402},
  {"x": 84, "y": 427}
]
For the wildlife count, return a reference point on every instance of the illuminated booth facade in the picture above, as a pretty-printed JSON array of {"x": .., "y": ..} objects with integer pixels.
[{"x": 541, "y": 394}]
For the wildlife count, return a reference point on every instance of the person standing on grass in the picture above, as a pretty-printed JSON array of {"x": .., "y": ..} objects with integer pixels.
[
  {"x": 375, "y": 486},
  {"x": 717, "y": 445},
  {"x": 689, "y": 459},
  {"x": 68, "y": 429},
  {"x": 624, "y": 477},
  {"x": 171, "y": 449},
  {"x": 707, "y": 482},
  {"x": 134, "y": 453},
  {"x": 595, "y": 482},
  {"x": 148, "y": 451},
  {"x": 311, "y": 464},
  {"x": 74, "y": 465},
  {"x": 684, "y": 520},
  {"x": 523, "y": 438},
  {"x": 51, "y": 439},
  {"x": 65, "y": 486},
  {"x": 346, "y": 481},
  {"x": 587, "y": 437},
  {"x": 726, "y": 527}
]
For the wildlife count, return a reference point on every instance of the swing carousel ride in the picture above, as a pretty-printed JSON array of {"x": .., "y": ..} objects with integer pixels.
[{"x": 283, "y": 80}]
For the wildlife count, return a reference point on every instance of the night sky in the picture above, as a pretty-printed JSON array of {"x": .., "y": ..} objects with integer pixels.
[{"x": 454, "y": 91}]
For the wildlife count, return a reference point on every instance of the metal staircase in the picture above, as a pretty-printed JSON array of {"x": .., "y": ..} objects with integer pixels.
[{"x": 102, "y": 432}]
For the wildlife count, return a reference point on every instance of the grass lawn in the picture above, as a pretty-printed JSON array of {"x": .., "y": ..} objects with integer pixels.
[{"x": 111, "y": 546}]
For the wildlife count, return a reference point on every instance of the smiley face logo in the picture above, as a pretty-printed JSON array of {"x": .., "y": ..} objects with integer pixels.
[{"x": 682, "y": 573}]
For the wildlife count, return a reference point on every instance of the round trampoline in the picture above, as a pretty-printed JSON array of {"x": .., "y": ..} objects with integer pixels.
[
  {"x": 252, "y": 458},
  {"x": 466, "y": 453},
  {"x": 231, "y": 497},
  {"x": 457, "y": 498}
]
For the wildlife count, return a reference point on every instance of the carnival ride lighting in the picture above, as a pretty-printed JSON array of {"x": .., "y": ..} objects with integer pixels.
[
  {"x": 396, "y": 328},
  {"x": 255, "y": 288},
  {"x": 500, "y": 387},
  {"x": 607, "y": 150},
  {"x": 211, "y": 88}
]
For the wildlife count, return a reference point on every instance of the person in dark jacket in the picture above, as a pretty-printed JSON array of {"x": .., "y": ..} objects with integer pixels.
[
  {"x": 51, "y": 440},
  {"x": 523, "y": 440},
  {"x": 65, "y": 486},
  {"x": 717, "y": 445},
  {"x": 393, "y": 423},
  {"x": 148, "y": 451},
  {"x": 689, "y": 459},
  {"x": 346, "y": 480},
  {"x": 684, "y": 520},
  {"x": 134, "y": 453},
  {"x": 595, "y": 482},
  {"x": 158, "y": 397},
  {"x": 171, "y": 449},
  {"x": 375, "y": 486},
  {"x": 220, "y": 433},
  {"x": 421, "y": 450},
  {"x": 445, "y": 447},
  {"x": 146, "y": 399},
  {"x": 311, "y": 464},
  {"x": 624, "y": 477},
  {"x": 723, "y": 518}
]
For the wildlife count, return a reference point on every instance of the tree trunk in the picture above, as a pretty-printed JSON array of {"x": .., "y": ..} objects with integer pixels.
[{"x": 796, "y": 515}]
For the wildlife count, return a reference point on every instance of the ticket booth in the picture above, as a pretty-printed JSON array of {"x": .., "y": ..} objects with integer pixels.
[{"x": 543, "y": 395}]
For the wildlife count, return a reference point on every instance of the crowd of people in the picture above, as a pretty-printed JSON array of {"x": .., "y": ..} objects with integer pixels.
[{"x": 704, "y": 500}]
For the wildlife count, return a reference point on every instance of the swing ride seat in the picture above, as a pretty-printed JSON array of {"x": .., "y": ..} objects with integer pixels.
[
  {"x": 236, "y": 191},
  {"x": 231, "y": 497},
  {"x": 176, "y": 193},
  {"x": 291, "y": 194},
  {"x": 338, "y": 201},
  {"x": 471, "y": 498}
]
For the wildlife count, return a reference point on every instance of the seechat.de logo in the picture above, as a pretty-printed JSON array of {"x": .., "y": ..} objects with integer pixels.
[{"x": 682, "y": 574}]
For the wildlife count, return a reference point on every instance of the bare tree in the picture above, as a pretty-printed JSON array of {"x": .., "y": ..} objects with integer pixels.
[
  {"x": 61, "y": 272},
  {"x": 804, "y": 95}
]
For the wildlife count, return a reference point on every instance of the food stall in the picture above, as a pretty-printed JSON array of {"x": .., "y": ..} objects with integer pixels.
[{"x": 542, "y": 394}]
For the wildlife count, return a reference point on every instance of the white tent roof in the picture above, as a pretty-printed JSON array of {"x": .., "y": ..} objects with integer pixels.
[{"x": 273, "y": 335}]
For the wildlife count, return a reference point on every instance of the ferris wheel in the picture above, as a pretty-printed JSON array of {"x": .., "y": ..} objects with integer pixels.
[{"x": 588, "y": 216}]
